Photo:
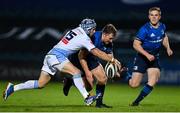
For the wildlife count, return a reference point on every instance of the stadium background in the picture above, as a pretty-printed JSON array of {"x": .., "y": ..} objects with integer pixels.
[{"x": 28, "y": 29}]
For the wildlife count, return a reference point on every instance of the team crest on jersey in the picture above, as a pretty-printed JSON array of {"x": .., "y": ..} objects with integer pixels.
[{"x": 104, "y": 48}]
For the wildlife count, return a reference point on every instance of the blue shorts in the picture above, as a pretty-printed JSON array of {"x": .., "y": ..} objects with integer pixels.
[
  {"x": 91, "y": 61},
  {"x": 141, "y": 64}
]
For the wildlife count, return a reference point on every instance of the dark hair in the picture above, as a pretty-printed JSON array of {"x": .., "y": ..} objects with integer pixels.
[{"x": 109, "y": 28}]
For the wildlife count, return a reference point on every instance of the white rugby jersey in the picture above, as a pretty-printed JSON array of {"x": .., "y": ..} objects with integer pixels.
[{"x": 75, "y": 40}]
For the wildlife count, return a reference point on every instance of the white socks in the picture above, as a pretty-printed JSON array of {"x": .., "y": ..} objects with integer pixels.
[
  {"x": 80, "y": 85},
  {"x": 31, "y": 84}
]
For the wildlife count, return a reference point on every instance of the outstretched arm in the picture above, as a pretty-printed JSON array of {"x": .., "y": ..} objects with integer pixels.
[{"x": 102, "y": 55}]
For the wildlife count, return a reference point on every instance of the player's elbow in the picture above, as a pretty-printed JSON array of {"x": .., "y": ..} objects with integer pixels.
[
  {"x": 95, "y": 51},
  {"x": 135, "y": 45}
]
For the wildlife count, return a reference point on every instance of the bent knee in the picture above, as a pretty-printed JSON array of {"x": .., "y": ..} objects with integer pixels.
[
  {"x": 134, "y": 84},
  {"x": 102, "y": 80}
]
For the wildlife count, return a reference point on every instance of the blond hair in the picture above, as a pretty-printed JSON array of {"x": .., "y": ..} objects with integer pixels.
[{"x": 155, "y": 9}]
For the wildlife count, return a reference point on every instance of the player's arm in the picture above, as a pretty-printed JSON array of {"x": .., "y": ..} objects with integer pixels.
[
  {"x": 102, "y": 55},
  {"x": 137, "y": 45},
  {"x": 167, "y": 46},
  {"x": 82, "y": 59},
  {"x": 111, "y": 55}
]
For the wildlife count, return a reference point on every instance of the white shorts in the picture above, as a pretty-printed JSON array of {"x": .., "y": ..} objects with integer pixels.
[{"x": 50, "y": 61}]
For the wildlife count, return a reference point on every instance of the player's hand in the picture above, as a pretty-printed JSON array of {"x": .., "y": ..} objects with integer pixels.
[
  {"x": 118, "y": 73},
  {"x": 150, "y": 57},
  {"x": 119, "y": 66},
  {"x": 169, "y": 52}
]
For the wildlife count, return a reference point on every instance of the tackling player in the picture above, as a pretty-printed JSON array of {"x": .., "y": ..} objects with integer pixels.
[
  {"x": 57, "y": 59},
  {"x": 91, "y": 65}
]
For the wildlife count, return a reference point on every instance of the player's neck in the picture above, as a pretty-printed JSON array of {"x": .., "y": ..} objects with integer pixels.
[{"x": 154, "y": 25}]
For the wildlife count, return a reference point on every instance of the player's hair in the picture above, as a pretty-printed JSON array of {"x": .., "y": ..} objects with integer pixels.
[
  {"x": 87, "y": 24},
  {"x": 109, "y": 28},
  {"x": 155, "y": 9}
]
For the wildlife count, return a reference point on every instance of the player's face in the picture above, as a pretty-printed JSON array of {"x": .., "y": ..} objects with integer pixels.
[
  {"x": 154, "y": 17},
  {"x": 108, "y": 38},
  {"x": 92, "y": 31}
]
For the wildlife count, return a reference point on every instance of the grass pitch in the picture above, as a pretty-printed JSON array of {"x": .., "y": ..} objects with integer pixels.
[{"x": 51, "y": 99}]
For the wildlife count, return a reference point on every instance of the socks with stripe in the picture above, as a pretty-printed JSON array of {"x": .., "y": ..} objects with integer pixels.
[{"x": 144, "y": 92}]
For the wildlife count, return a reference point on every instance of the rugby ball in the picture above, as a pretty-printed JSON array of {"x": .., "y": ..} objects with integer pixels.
[{"x": 111, "y": 70}]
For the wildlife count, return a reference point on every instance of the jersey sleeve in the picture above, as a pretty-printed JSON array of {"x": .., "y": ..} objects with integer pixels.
[
  {"x": 141, "y": 34},
  {"x": 164, "y": 28},
  {"x": 87, "y": 43}
]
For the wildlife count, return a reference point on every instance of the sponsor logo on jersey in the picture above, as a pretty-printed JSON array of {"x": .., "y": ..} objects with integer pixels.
[
  {"x": 152, "y": 35},
  {"x": 135, "y": 68}
]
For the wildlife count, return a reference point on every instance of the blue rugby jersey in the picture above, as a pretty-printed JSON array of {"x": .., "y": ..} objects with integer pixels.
[
  {"x": 96, "y": 39},
  {"x": 107, "y": 48},
  {"x": 151, "y": 37}
]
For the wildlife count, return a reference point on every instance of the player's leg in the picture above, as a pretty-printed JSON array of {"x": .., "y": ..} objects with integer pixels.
[
  {"x": 153, "y": 73},
  {"x": 153, "y": 76},
  {"x": 88, "y": 84},
  {"x": 67, "y": 84},
  {"x": 140, "y": 67},
  {"x": 134, "y": 82},
  {"x": 135, "y": 79},
  {"x": 68, "y": 67},
  {"x": 30, "y": 84},
  {"x": 68, "y": 81},
  {"x": 101, "y": 77}
]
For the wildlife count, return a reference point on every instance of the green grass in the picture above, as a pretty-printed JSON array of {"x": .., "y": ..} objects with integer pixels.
[{"x": 51, "y": 98}]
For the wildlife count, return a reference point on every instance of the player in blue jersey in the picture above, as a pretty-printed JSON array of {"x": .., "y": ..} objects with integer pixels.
[
  {"x": 148, "y": 43},
  {"x": 57, "y": 60},
  {"x": 91, "y": 64}
]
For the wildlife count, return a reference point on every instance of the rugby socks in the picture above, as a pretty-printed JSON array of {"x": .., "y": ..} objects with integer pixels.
[
  {"x": 100, "y": 91},
  {"x": 80, "y": 85},
  {"x": 31, "y": 84},
  {"x": 144, "y": 92}
]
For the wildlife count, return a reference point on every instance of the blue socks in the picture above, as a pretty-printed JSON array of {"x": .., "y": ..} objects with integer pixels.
[
  {"x": 100, "y": 90},
  {"x": 144, "y": 92}
]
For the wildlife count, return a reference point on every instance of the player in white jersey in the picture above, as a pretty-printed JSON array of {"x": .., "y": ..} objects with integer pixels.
[{"x": 56, "y": 59}]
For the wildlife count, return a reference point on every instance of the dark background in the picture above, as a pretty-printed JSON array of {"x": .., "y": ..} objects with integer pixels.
[{"x": 29, "y": 29}]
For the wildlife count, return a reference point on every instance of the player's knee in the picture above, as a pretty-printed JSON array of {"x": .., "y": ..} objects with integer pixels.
[
  {"x": 103, "y": 80},
  {"x": 152, "y": 83},
  {"x": 76, "y": 72},
  {"x": 134, "y": 84}
]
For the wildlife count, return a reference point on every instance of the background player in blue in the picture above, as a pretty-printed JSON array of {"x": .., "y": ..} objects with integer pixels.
[
  {"x": 148, "y": 43},
  {"x": 91, "y": 65}
]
